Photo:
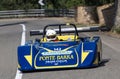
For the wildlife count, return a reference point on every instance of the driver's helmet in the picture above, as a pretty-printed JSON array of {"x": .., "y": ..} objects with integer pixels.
[{"x": 51, "y": 35}]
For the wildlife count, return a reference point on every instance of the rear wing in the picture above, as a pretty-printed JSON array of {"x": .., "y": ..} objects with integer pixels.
[{"x": 68, "y": 30}]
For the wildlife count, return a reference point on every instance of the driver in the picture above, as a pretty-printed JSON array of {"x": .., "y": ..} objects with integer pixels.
[{"x": 51, "y": 35}]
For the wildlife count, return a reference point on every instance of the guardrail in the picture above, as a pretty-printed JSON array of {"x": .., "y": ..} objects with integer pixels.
[{"x": 37, "y": 13}]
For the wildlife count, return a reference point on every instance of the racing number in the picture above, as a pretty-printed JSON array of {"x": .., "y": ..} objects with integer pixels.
[{"x": 57, "y": 49}]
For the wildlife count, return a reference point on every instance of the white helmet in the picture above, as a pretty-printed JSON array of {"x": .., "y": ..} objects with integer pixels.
[{"x": 51, "y": 35}]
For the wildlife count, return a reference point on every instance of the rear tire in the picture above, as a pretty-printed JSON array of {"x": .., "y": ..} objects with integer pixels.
[{"x": 99, "y": 51}]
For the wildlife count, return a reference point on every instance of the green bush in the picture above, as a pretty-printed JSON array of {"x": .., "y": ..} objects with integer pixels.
[
  {"x": 117, "y": 30},
  {"x": 56, "y": 4}
]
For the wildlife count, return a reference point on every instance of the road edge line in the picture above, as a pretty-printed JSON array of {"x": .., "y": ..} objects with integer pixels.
[{"x": 19, "y": 73}]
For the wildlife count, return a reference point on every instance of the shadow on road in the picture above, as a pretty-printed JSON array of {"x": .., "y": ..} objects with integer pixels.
[{"x": 104, "y": 61}]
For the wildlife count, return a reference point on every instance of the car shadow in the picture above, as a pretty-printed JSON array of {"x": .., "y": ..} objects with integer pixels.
[{"x": 104, "y": 61}]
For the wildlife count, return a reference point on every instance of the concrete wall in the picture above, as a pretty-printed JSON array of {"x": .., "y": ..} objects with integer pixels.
[
  {"x": 109, "y": 16},
  {"x": 106, "y": 15}
]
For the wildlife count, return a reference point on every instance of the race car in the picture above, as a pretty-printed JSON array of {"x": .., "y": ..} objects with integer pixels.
[{"x": 79, "y": 52}]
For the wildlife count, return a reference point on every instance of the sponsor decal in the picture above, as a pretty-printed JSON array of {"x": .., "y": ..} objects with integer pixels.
[
  {"x": 56, "y": 59},
  {"x": 88, "y": 51},
  {"x": 57, "y": 53}
]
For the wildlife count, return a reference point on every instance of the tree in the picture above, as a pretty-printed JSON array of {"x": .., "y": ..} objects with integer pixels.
[
  {"x": 50, "y": 4},
  {"x": 117, "y": 21}
]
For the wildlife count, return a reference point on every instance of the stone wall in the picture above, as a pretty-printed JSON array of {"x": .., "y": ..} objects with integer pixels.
[
  {"x": 86, "y": 15},
  {"x": 102, "y": 15}
]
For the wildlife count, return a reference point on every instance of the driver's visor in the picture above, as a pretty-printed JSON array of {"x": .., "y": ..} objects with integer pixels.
[{"x": 49, "y": 37}]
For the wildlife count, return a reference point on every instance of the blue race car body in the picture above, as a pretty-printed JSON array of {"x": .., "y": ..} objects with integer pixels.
[{"x": 79, "y": 53}]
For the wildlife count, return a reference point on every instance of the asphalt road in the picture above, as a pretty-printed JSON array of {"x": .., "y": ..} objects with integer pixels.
[{"x": 10, "y": 38}]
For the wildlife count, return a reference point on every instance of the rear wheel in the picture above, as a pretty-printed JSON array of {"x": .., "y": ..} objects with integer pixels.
[
  {"x": 99, "y": 51},
  {"x": 99, "y": 58}
]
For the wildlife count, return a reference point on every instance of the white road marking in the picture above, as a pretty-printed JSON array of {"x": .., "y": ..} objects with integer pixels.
[
  {"x": 23, "y": 34},
  {"x": 19, "y": 73}
]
